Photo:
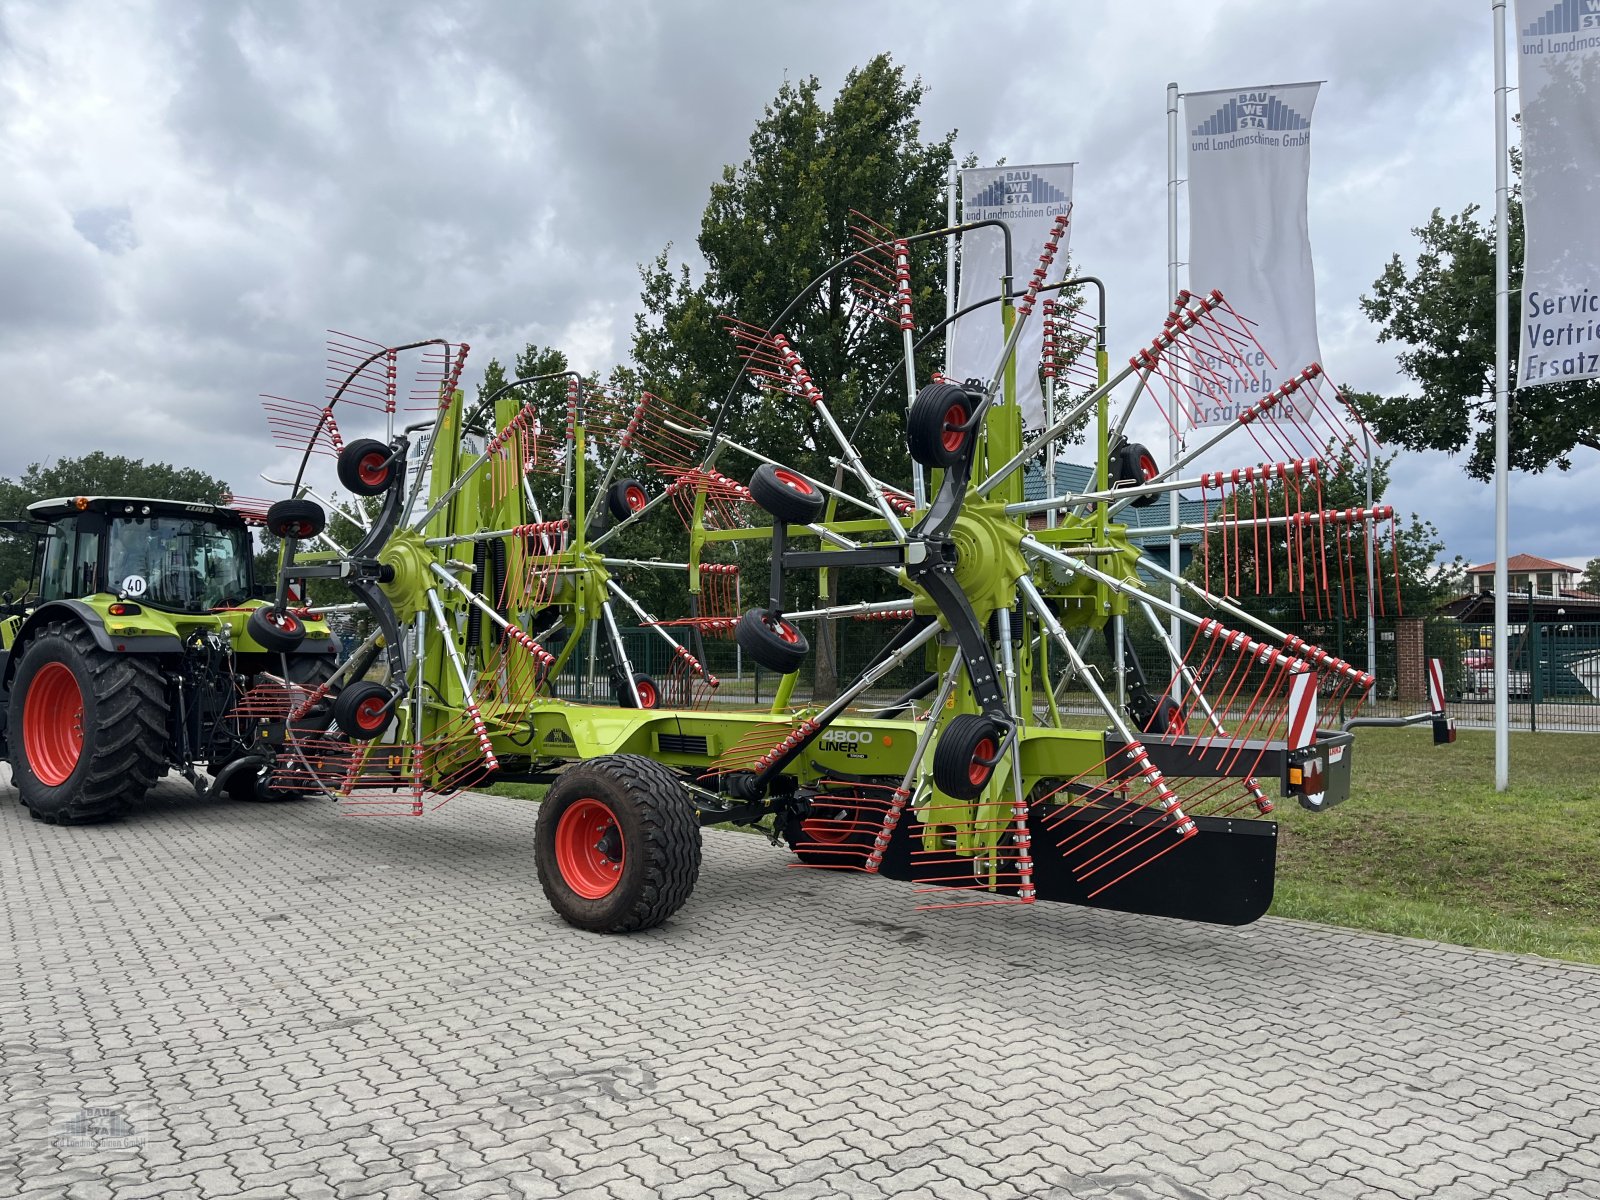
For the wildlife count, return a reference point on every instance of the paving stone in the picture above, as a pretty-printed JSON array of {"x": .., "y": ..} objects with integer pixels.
[{"x": 428, "y": 1029}]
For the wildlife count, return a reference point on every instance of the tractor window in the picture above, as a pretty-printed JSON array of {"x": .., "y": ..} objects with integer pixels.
[
  {"x": 179, "y": 562},
  {"x": 71, "y": 564}
]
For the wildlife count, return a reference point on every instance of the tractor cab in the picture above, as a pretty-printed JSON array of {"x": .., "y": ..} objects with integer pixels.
[{"x": 169, "y": 555}]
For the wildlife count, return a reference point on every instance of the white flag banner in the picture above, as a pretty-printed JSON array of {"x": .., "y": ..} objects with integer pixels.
[
  {"x": 1558, "y": 70},
  {"x": 1249, "y": 170},
  {"x": 1028, "y": 200}
]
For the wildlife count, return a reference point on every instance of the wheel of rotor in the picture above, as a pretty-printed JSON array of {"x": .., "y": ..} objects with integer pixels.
[
  {"x": 789, "y": 496},
  {"x": 367, "y": 467},
  {"x": 1134, "y": 465},
  {"x": 296, "y": 518},
  {"x": 773, "y": 642},
  {"x": 274, "y": 630},
  {"x": 967, "y": 754},
  {"x": 626, "y": 497},
  {"x": 935, "y": 432},
  {"x": 363, "y": 710}
]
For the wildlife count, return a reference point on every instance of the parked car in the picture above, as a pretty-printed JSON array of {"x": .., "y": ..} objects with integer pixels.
[{"x": 1478, "y": 683}]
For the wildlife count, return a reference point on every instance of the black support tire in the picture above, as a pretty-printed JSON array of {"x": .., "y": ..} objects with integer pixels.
[
  {"x": 966, "y": 756},
  {"x": 626, "y": 497},
  {"x": 930, "y": 435},
  {"x": 617, "y": 844},
  {"x": 649, "y": 692},
  {"x": 773, "y": 642},
  {"x": 363, "y": 710},
  {"x": 88, "y": 727},
  {"x": 367, "y": 467},
  {"x": 296, "y": 518},
  {"x": 789, "y": 496},
  {"x": 1133, "y": 464},
  {"x": 278, "y": 632}
]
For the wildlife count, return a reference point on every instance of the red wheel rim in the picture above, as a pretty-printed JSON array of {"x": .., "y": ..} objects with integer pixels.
[
  {"x": 956, "y": 414},
  {"x": 589, "y": 849},
  {"x": 647, "y": 694},
  {"x": 282, "y": 622},
  {"x": 794, "y": 482},
  {"x": 373, "y": 468},
  {"x": 1147, "y": 467},
  {"x": 978, "y": 772},
  {"x": 784, "y": 630},
  {"x": 829, "y": 831},
  {"x": 635, "y": 498},
  {"x": 52, "y": 724},
  {"x": 371, "y": 714}
]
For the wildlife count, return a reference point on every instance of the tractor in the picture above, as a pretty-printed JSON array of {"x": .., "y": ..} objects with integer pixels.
[{"x": 140, "y": 632}]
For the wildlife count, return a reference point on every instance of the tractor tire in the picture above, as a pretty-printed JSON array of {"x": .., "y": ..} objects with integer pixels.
[
  {"x": 367, "y": 467},
  {"x": 278, "y": 632},
  {"x": 88, "y": 727},
  {"x": 310, "y": 671},
  {"x": 790, "y": 497},
  {"x": 963, "y": 760},
  {"x": 928, "y": 434},
  {"x": 773, "y": 642},
  {"x": 617, "y": 844},
  {"x": 296, "y": 518},
  {"x": 626, "y": 497}
]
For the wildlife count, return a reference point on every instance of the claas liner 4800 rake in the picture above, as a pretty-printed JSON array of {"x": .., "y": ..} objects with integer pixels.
[{"x": 972, "y": 783}]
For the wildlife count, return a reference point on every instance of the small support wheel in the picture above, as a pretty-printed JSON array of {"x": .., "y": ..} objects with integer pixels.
[
  {"x": 626, "y": 497},
  {"x": 367, "y": 467},
  {"x": 363, "y": 710},
  {"x": 967, "y": 754},
  {"x": 789, "y": 496},
  {"x": 296, "y": 518},
  {"x": 1133, "y": 464},
  {"x": 773, "y": 642},
  {"x": 936, "y": 432},
  {"x": 649, "y": 693},
  {"x": 279, "y": 632},
  {"x": 617, "y": 844}
]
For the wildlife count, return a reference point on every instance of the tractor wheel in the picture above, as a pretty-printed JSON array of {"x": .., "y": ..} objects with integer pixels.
[
  {"x": 617, "y": 844},
  {"x": 773, "y": 642},
  {"x": 363, "y": 710},
  {"x": 649, "y": 693},
  {"x": 309, "y": 671},
  {"x": 279, "y": 632},
  {"x": 367, "y": 467},
  {"x": 837, "y": 829},
  {"x": 965, "y": 758},
  {"x": 626, "y": 497},
  {"x": 88, "y": 727},
  {"x": 933, "y": 432},
  {"x": 296, "y": 519},
  {"x": 788, "y": 496}
]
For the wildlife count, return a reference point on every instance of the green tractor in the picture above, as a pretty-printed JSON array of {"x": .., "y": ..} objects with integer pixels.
[{"x": 138, "y": 637}]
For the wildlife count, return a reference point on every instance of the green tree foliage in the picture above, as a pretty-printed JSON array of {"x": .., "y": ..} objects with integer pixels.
[
  {"x": 1424, "y": 582},
  {"x": 1590, "y": 582},
  {"x": 1441, "y": 309},
  {"x": 776, "y": 222},
  {"x": 94, "y": 474}
]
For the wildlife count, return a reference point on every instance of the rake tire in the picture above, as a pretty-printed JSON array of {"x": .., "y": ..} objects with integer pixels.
[
  {"x": 655, "y": 846},
  {"x": 771, "y": 641},
  {"x": 959, "y": 769},
  {"x": 787, "y": 495},
  {"x": 66, "y": 684}
]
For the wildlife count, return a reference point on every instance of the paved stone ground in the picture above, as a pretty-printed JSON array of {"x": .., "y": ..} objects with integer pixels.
[{"x": 265, "y": 1001}]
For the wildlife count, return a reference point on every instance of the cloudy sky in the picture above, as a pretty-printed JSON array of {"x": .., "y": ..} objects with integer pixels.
[{"x": 194, "y": 192}]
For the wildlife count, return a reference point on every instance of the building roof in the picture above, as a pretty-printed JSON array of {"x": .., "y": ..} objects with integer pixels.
[
  {"x": 1076, "y": 477},
  {"x": 1526, "y": 562}
]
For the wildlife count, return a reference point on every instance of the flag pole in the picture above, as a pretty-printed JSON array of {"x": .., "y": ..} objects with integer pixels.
[
  {"x": 1172, "y": 293},
  {"x": 949, "y": 264},
  {"x": 1502, "y": 504}
]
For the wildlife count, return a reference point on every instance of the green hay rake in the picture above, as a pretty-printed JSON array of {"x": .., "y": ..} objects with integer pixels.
[{"x": 973, "y": 783}]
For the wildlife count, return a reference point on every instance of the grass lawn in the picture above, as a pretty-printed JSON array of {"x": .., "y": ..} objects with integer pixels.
[{"x": 1425, "y": 846}]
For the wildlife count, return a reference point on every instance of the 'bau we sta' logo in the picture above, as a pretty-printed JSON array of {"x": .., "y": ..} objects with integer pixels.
[
  {"x": 1566, "y": 16},
  {"x": 1016, "y": 189},
  {"x": 1252, "y": 111}
]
